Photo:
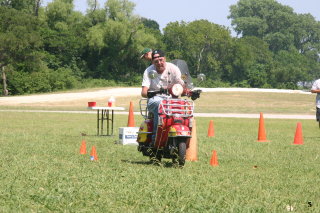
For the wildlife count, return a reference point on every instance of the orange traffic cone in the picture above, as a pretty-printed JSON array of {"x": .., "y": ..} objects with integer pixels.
[
  {"x": 262, "y": 132},
  {"x": 93, "y": 154},
  {"x": 298, "y": 138},
  {"x": 214, "y": 159},
  {"x": 83, "y": 148},
  {"x": 131, "y": 116},
  {"x": 192, "y": 150},
  {"x": 211, "y": 129}
]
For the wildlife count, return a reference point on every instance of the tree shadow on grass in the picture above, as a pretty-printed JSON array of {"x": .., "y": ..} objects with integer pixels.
[
  {"x": 165, "y": 164},
  {"x": 88, "y": 136},
  {"x": 313, "y": 137},
  {"x": 138, "y": 162}
]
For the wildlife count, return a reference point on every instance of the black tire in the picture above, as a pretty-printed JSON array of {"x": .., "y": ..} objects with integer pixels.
[{"x": 182, "y": 153}]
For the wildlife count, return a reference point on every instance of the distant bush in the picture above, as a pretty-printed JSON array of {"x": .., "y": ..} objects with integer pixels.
[
  {"x": 91, "y": 83},
  {"x": 209, "y": 83},
  {"x": 62, "y": 79},
  {"x": 40, "y": 82},
  {"x": 23, "y": 82}
]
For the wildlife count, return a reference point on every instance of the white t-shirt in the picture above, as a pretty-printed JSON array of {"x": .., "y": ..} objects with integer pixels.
[
  {"x": 316, "y": 86},
  {"x": 167, "y": 79}
]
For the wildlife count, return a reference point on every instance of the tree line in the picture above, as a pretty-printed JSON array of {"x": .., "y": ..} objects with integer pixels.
[{"x": 53, "y": 47}]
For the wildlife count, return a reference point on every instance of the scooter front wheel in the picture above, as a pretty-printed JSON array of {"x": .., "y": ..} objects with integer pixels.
[{"x": 182, "y": 153}]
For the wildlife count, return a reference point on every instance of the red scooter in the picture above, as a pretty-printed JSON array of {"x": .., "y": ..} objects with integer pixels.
[{"x": 174, "y": 125}]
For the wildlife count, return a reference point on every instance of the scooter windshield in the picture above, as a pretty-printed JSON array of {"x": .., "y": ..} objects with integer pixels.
[{"x": 185, "y": 75}]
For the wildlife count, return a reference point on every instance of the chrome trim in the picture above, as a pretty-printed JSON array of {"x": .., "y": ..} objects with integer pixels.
[
  {"x": 187, "y": 112},
  {"x": 143, "y": 103},
  {"x": 144, "y": 132}
]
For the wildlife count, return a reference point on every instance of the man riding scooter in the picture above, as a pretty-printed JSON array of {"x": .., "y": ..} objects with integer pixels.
[{"x": 168, "y": 75}]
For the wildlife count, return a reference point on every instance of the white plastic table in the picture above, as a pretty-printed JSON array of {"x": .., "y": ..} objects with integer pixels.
[{"x": 103, "y": 114}]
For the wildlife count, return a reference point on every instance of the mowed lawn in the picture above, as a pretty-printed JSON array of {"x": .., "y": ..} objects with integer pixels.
[{"x": 42, "y": 170}]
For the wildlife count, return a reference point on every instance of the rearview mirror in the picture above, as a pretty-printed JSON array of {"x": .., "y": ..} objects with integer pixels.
[
  {"x": 153, "y": 74},
  {"x": 201, "y": 77}
]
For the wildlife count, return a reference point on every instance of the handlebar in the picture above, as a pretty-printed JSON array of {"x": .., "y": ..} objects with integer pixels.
[
  {"x": 151, "y": 94},
  {"x": 194, "y": 94}
]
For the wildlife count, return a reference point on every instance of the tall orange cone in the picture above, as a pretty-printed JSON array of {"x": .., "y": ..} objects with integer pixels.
[
  {"x": 211, "y": 129},
  {"x": 214, "y": 159},
  {"x": 93, "y": 154},
  {"x": 298, "y": 138},
  {"x": 131, "y": 122},
  {"x": 192, "y": 150},
  {"x": 262, "y": 132},
  {"x": 83, "y": 148}
]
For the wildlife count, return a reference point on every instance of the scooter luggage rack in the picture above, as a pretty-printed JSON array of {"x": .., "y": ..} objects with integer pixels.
[
  {"x": 143, "y": 107},
  {"x": 186, "y": 109}
]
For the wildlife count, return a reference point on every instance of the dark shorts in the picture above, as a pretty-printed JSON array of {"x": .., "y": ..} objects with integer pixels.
[{"x": 318, "y": 114}]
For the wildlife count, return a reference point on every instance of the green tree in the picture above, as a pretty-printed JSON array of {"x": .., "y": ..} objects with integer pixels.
[
  {"x": 151, "y": 24},
  {"x": 64, "y": 36},
  {"x": 114, "y": 45},
  {"x": 306, "y": 31},
  {"x": 293, "y": 38},
  {"x": 27, "y": 6},
  {"x": 20, "y": 42},
  {"x": 152, "y": 27},
  {"x": 204, "y": 45},
  {"x": 174, "y": 38},
  {"x": 119, "y": 10},
  {"x": 276, "y": 24},
  {"x": 258, "y": 73},
  {"x": 265, "y": 19},
  {"x": 94, "y": 13}
]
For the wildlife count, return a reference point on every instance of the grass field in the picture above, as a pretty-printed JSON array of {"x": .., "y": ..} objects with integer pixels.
[{"x": 42, "y": 170}]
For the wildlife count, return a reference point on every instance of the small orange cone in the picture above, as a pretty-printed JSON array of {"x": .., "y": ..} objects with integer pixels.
[
  {"x": 211, "y": 129},
  {"x": 131, "y": 122},
  {"x": 93, "y": 154},
  {"x": 214, "y": 159},
  {"x": 262, "y": 132},
  {"x": 83, "y": 148},
  {"x": 192, "y": 150},
  {"x": 298, "y": 138}
]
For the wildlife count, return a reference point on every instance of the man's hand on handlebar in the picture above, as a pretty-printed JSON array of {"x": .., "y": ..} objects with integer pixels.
[
  {"x": 150, "y": 94},
  {"x": 163, "y": 91},
  {"x": 195, "y": 94}
]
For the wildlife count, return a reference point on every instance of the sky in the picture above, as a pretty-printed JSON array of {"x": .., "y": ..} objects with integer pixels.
[{"x": 215, "y": 11}]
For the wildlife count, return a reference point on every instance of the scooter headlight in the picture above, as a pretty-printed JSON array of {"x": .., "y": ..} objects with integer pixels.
[{"x": 177, "y": 90}]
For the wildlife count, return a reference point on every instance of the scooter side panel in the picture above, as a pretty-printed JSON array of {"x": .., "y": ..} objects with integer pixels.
[
  {"x": 145, "y": 131},
  {"x": 162, "y": 137}
]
